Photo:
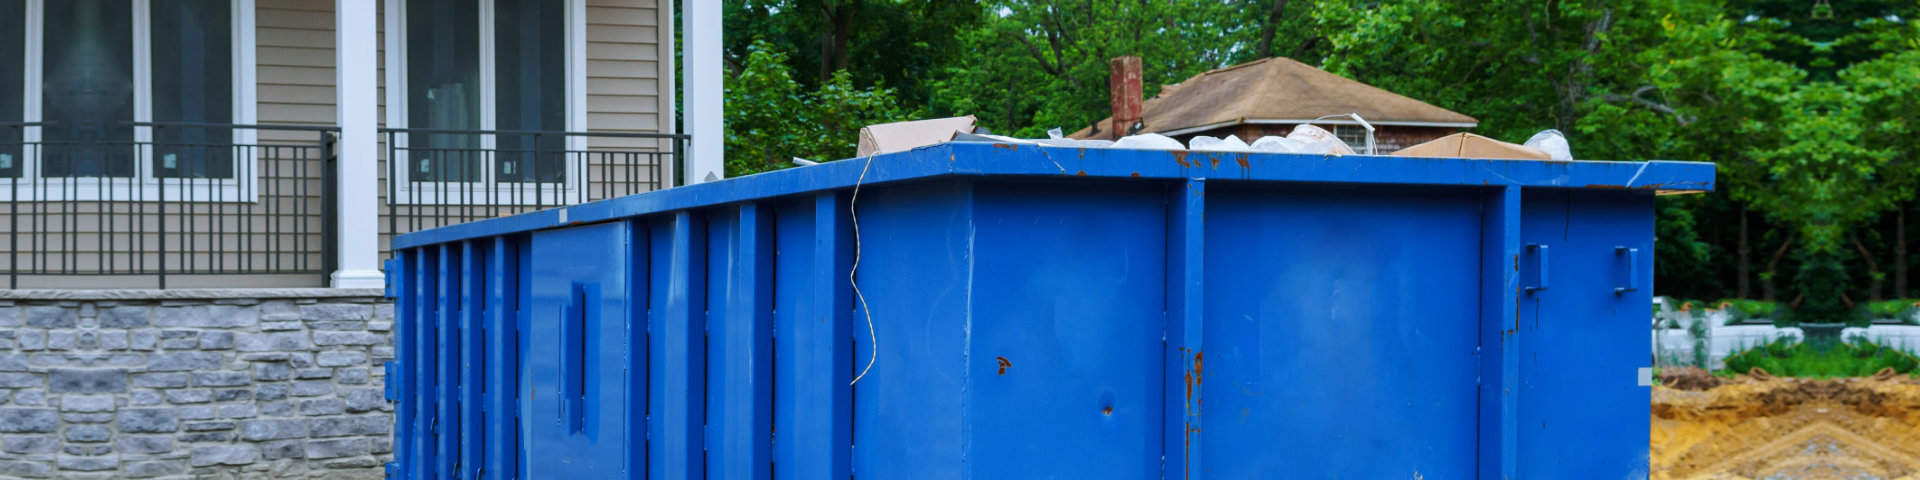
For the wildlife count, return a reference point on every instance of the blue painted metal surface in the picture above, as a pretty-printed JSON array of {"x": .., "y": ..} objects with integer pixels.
[{"x": 1045, "y": 313}]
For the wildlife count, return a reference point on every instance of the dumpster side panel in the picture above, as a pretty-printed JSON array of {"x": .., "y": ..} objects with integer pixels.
[
  {"x": 502, "y": 437},
  {"x": 1066, "y": 331},
  {"x": 1340, "y": 333},
  {"x": 676, "y": 332},
  {"x": 578, "y": 399},
  {"x": 915, "y": 273},
  {"x": 1583, "y": 413},
  {"x": 421, "y": 369},
  {"x": 740, "y": 343},
  {"x": 813, "y": 357}
]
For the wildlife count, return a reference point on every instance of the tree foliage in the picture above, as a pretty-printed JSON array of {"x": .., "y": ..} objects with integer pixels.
[{"x": 1808, "y": 108}]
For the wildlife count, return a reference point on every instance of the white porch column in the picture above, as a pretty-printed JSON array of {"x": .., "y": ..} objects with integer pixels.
[
  {"x": 703, "y": 75},
  {"x": 356, "y": 61}
]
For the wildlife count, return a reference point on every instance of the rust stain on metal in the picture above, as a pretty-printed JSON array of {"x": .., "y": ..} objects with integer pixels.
[
  {"x": 1081, "y": 174},
  {"x": 1007, "y": 146},
  {"x": 1004, "y": 364},
  {"x": 1136, "y": 174},
  {"x": 1215, "y": 159},
  {"x": 1242, "y": 160},
  {"x": 1108, "y": 411},
  {"x": 1180, "y": 157}
]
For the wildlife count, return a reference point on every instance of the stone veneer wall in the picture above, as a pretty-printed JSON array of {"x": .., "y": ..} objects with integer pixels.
[{"x": 243, "y": 383}]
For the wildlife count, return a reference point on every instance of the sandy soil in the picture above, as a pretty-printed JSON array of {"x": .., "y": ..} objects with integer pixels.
[{"x": 1788, "y": 429}]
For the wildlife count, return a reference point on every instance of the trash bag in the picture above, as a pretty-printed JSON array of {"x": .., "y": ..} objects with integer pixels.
[
  {"x": 1319, "y": 140},
  {"x": 1149, "y": 141},
  {"x": 1552, "y": 142},
  {"x": 1229, "y": 144},
  {"x": 1278, "y": 144}
]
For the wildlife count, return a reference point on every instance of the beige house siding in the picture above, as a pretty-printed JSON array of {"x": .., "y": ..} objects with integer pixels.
[{"x": 295, "y": 86}]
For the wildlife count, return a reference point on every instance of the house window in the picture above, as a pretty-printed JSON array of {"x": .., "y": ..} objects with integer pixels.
[
  {"x": 485, "y": 65},
  {"x": 13, "y": 109},
  {"x": 1354, "y": 136},
  {"x": 123, "y": 89}
]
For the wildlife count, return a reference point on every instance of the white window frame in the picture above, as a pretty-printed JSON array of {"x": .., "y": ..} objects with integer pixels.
[
  {"x": 142, "y": 186},
  {"x": 486, "y": 190}
]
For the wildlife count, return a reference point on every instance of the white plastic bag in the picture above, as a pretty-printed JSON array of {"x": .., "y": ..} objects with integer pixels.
[
  {"x": 1319, "y": 140},
  {"x": 1552, "y": 142},
  {"x": 1149, "y": 141}
]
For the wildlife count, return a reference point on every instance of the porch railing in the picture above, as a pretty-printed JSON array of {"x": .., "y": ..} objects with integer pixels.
[
  {"x": 183, "y": 204},
  {"x": 175, "y": 200},
  {"x": 438, "y": 177}
]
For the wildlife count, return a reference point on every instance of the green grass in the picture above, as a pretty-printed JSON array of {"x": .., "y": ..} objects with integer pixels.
[{"x": 1788, "y": 358}]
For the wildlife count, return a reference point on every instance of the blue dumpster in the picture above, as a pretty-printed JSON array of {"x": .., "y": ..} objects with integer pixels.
[{"x": 1041, "y": 312}]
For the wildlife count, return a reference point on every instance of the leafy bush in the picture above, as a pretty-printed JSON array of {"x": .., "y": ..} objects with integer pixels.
[
  {"x": 1856, "y": 358},
  {"x": 1901, "y": 309}
]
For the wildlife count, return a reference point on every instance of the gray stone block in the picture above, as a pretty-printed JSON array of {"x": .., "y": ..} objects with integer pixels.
[
  {"x": 238, "y": 410},
  {"x": 144, "y": 340},
  {"x": 322, "y": 406},
  {"x": 28, "y": 420},
  {"x": 309, "y": 388},
  {"x": 271, "y": 342},
  {"x": 87, "y": 464},
  {"x": 221, "y": 379},
  {"x": 125, "y": 317},
  {"x": 276, "y": 409},
  {"x": 21, "y": 380},
  {"x": 13, "y": 362},
  {"x": 183, "y": 361},
  {"x": 25, "y": 470},
  {"x": 313, "y": 373},
  {"x": 161, "y": 380},
  {"x": 143, "y": 444},
  {"x": 87, "y": 340},
  {"x": 232, "y": 394},
  {"x": 197, "y": 412},
  {"x": 338, "y": 325},
  {"x": 33, "y": 340},
  {"x": 350, "y": 463},
  {"x": 89, "y": 434},
  {"x": 272, "y": 371},
  {"x": 86, "y": 449},
  {"x": 282, "y": 326},
  {"x": 101, "y": 417},
  {"x": 208, "y": 426},
  {"x": 86, "y": 404},
  {"x": 157, "y": 468},
  {"x": 279, "y": 449},
  {"x": 52, "y": 317},
  {"x": 30, "y": 445},
  {"x": 87, "y": 381},
  {"x": 345, "y": 447},
  {"x": 149, "y": 420},
  {"x": 331, "y": 338},
  {"x": 9, "y": 314},
  {"x": 345, "y": 426},
  {"x": 336, "y": 311},
  {"x": 216, "y": 340},
  {"x": 340, "y": 359},
  {"x": 271, "y": 391},
  {"x": 365, "y": 400},
  {"x": 189, "y": 395},
  {"x": 210, "y": 455},
  {"x": 61, "y": 339},
  {"x": 261, "y": 430},
  {"x": 204, "y": 437},
  {"x": 30, "y": 397},
  {"x": 113, "y": 341},
  {"x": 206, "y": 316},
  {"x": 381, "y": 445},
  {"x": 144, "y": 397},
  {"x": 383, "y": 311},
  {"x": 351, "y": 376},
  {"x": 379, "y": 326}
]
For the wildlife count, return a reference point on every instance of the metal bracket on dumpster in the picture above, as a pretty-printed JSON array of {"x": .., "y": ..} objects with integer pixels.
[
  {"x": 391, "y": 395},
  {"x": 1633, "y": 269},
  {"x": 1539, "y": 251}
]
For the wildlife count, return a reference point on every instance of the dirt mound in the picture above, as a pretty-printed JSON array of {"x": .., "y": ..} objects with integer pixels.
[
  {"x": 1688, "y": 378},
  {"x": 1866, "y": 428}
]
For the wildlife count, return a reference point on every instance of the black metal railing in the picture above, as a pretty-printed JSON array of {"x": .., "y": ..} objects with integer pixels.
[
  {"x": 174, "y": 199},
  {"x": 438, "y": 177}
]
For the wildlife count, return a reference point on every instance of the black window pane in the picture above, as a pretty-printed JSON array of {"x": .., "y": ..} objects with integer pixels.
[
  {"x": 87, "y": 88},
  {"x": 13, "y": 51},
  {"x": 192, "y": 84},
  {"x": 530, "y": 89},
  {"x": 443, "y": 89}
]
